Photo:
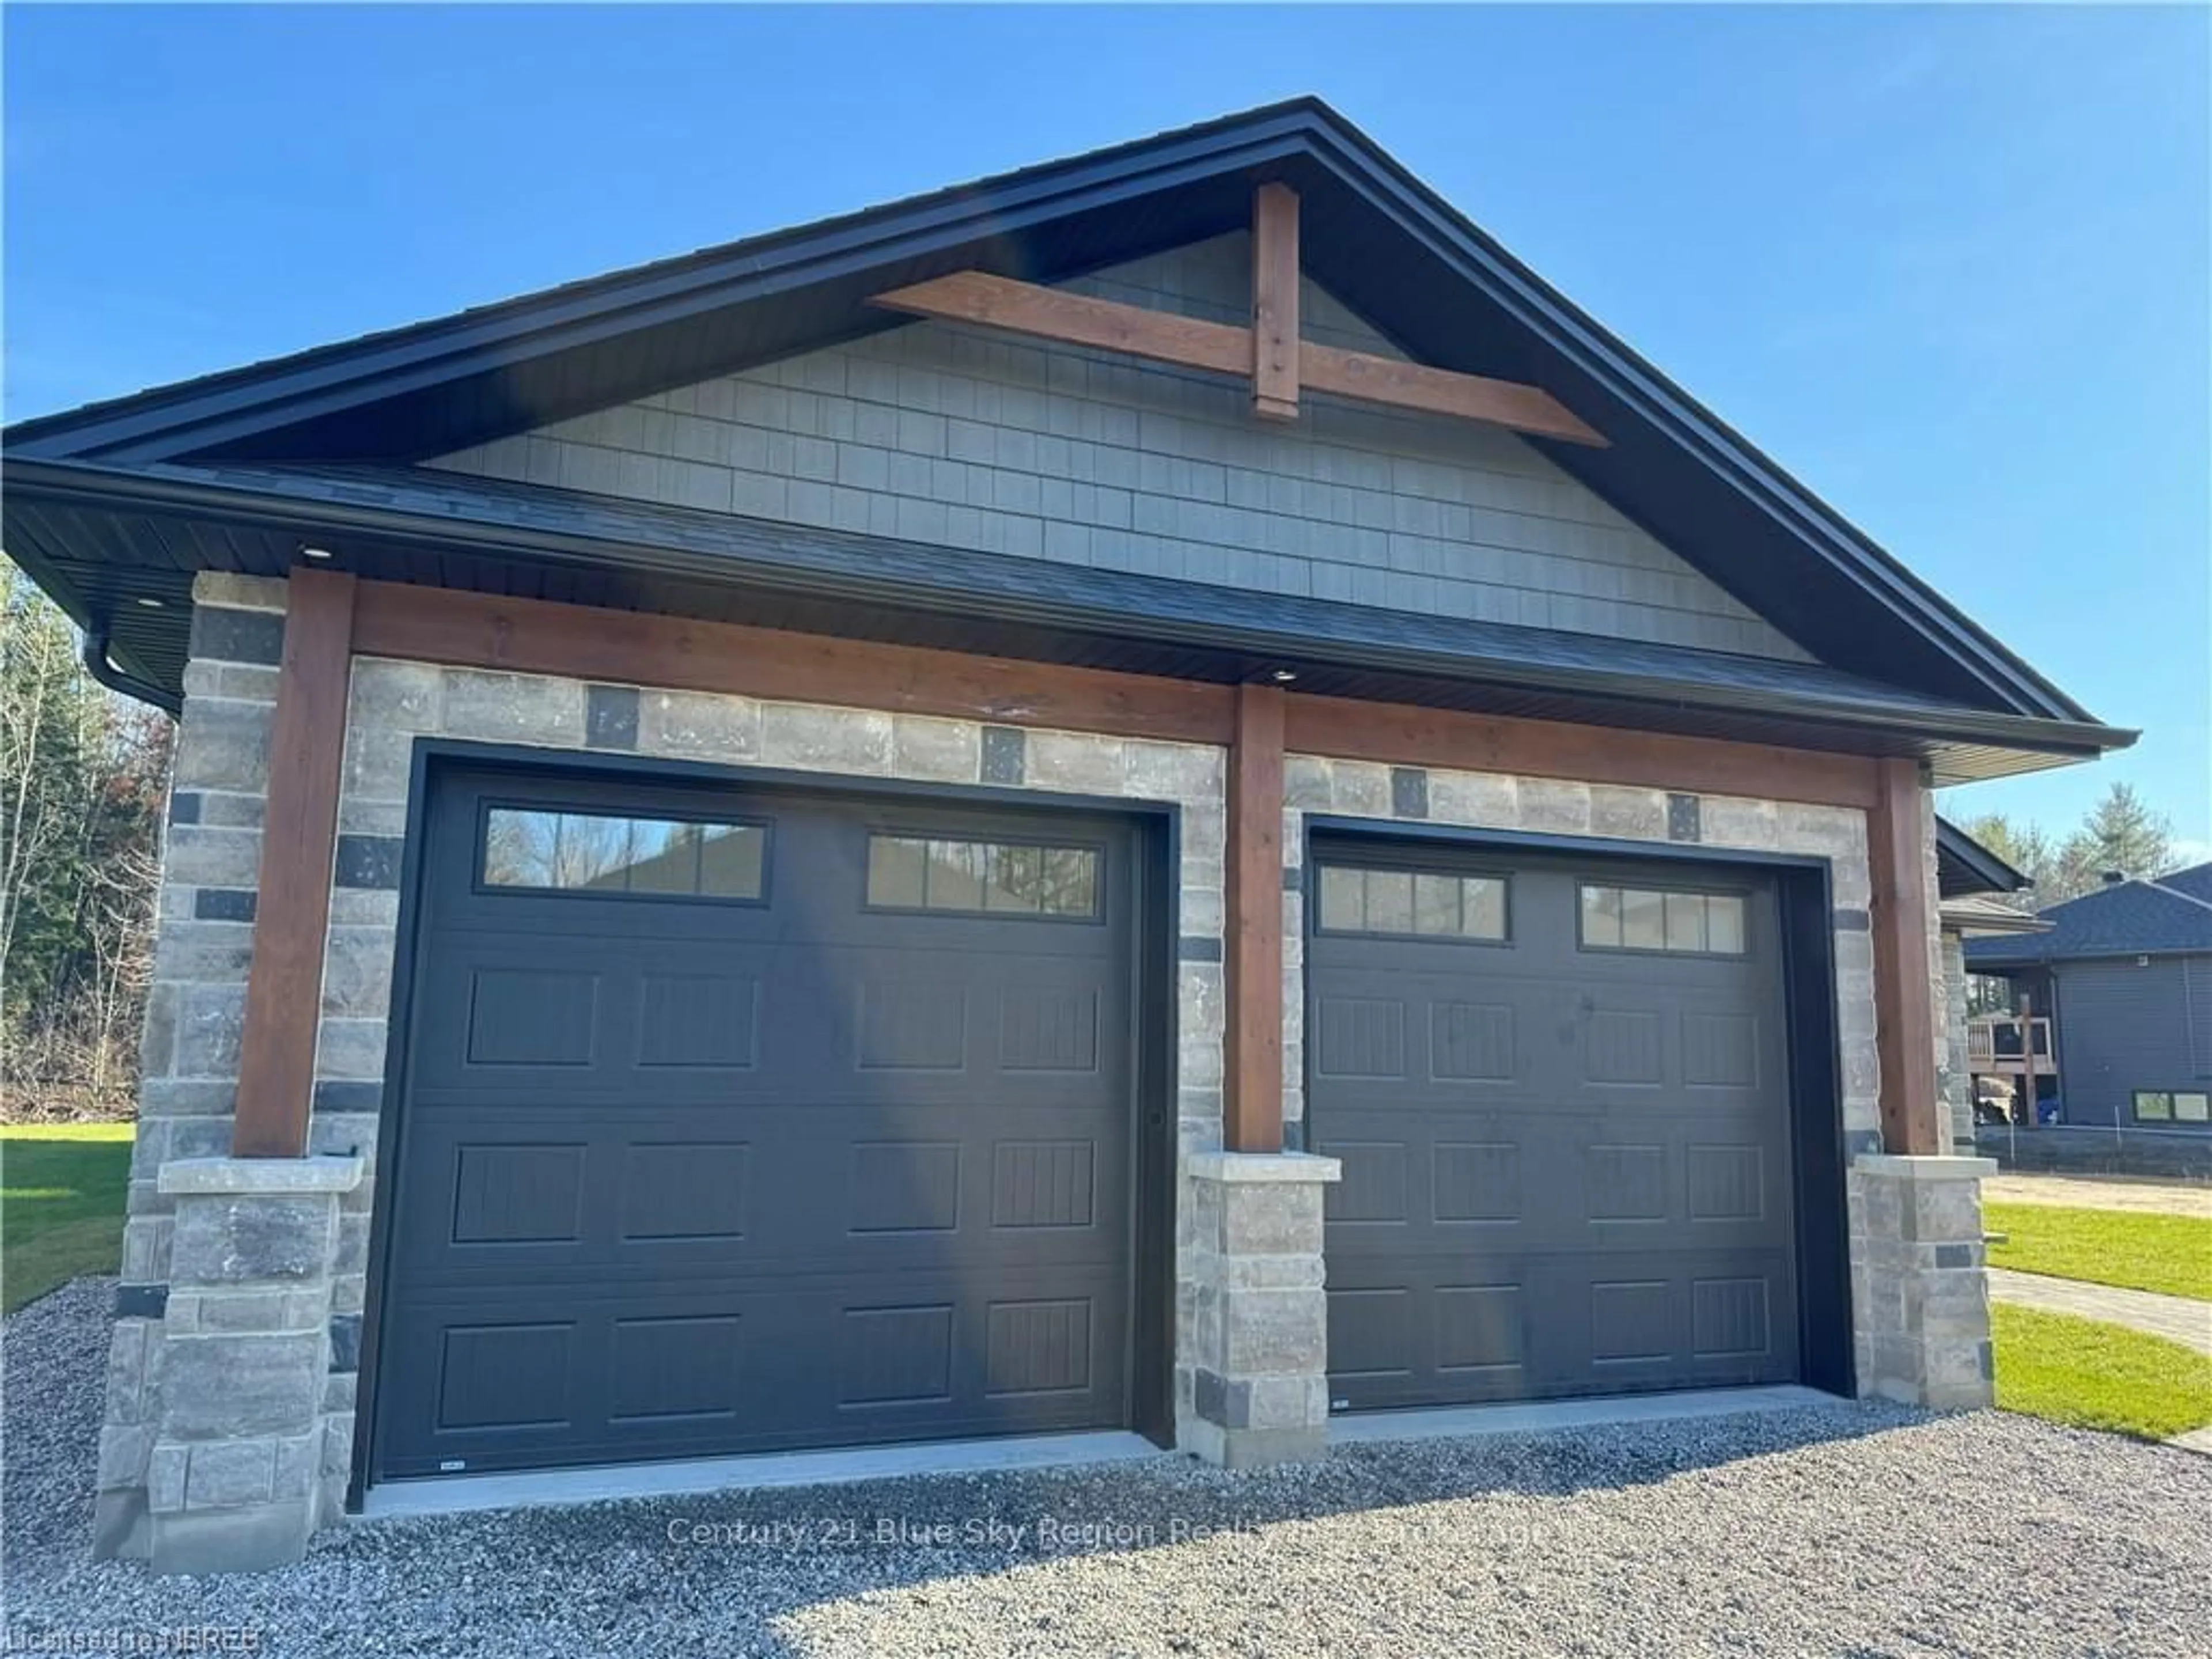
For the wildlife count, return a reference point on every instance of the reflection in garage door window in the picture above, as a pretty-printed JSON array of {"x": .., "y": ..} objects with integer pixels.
[
  {"x": 1653, "y": 919},
  {"x": 936, "y": 872},
  {"x": 1411, "y": 902},
  {"x": 600, "y": 853}
]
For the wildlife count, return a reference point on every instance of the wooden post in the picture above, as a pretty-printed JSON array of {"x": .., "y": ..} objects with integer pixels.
[
  {"x": 1904, "y": 991},
  {"x": 1253, "y": 1020},
  {"x": 1275, "y": 303},
  {"x": 307, "y": 750}
]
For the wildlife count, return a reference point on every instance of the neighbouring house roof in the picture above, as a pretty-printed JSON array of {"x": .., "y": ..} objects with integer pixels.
[
  {"x": 112, "y": 507},
  {"x": 2125, "y": 918},
  {"x": 2196, "y": 882},
  {"x": 1977, "y": 914},
  {"x": 1964, "y": 866}
]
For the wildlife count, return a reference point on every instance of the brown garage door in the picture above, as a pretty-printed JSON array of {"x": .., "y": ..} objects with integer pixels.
[
  {"x": 739, "y": 1121},
  {"x": 1559, "y": 1093}
]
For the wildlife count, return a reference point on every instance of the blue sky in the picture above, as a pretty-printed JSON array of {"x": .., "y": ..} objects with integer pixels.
[{"x": 1952, "y": 266}]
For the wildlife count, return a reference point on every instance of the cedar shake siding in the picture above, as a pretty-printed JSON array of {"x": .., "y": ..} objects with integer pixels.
[{"x": 942, "y": 434}]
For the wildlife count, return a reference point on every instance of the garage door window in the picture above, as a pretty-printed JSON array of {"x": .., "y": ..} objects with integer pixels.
[
  {"x": 1426, "y": 904},
  {"x": 982, "y": 878},
  {"x": 1620, "y": 917},
  {"x": 601, "y": 854}
]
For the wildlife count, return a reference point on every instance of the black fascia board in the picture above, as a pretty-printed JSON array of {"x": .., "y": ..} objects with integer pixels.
[{"x": 1980, "y": 869}]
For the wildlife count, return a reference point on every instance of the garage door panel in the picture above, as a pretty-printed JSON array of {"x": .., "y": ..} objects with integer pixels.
[
  {"x": 737, "y": 1023},
  {"x": 1458, "y": 1180},
  {"x": 1460, "y": 1327},
  {"x": 1565, "y": 1170},
  {"x": 583, "y": 1372},
  {"x": 734, "y": 1176},
  {"x": 795, "y": 1194}
]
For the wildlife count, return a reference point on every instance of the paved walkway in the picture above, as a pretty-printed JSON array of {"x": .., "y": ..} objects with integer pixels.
[
  {"x": 2101, "y": 1193},
  {"x": 2176, "y": 1318}
]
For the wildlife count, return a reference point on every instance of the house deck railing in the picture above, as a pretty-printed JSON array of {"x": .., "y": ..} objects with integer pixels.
[{"x": 2004, "y": 1044}]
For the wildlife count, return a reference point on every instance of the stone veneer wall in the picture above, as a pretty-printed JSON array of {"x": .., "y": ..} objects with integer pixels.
[
  {"x": 1346, "y": 787},
  {"x": 212, "y": 863},
  {"x": 1958, "y": 1074}
]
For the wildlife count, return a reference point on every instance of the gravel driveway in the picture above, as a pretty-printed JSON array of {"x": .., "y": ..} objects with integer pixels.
[{"x": 1845, "y": 1530}]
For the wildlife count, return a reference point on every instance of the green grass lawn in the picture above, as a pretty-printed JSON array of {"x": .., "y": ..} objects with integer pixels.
[
  {"x": 2138, "y": 1251},
  {"x": 2093, "y": 1375},
  {"x": 62, "y": 1188}
]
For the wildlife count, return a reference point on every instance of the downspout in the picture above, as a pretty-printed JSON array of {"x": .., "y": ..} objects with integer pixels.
[{"x": 96, "y": 664}]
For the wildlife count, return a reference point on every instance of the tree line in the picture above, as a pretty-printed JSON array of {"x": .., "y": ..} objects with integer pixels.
[
  {"x": 2121, "y": 836},
  {"x": 83, "y": 776}
]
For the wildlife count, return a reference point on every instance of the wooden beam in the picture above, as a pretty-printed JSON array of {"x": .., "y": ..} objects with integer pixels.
[
  {"x": 628, "y": 647},
  {"x": 1439, "y": 392},
  {"x": 1253, "y": 1026},
  {"x": 299, "y": 838},
  {"x": 1275, "y": 302},
  {"x": 1403, "y": 734},
  {"x": 973, "y": 296},
  {"x": 1048, "y": 314},
  {"x": 482, "y": 630},
  {"x": 1903, "y": 981}
]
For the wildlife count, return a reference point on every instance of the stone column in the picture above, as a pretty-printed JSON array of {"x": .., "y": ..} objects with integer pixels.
[
  {"x": 1258, "y": 1342},
  {"x": 232, "y": 1485},
  {"x": 1917, "y": 1279}
]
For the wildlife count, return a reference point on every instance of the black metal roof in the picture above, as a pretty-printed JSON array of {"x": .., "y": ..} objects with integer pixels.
[
  {"x": 1376, "y": 236},
  {"x": 1964, "y": 866},
  {"x": 2121, "y": 919}
]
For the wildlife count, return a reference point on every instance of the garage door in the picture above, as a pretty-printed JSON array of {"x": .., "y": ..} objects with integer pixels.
[
  {"x": 744, "y": 1121},
  {"x": 1559, "y": 1091}
]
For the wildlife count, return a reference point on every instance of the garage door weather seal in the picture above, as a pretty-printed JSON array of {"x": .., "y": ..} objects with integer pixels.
[
  {"x": 761, "y": 1472},
  {"x": 1545, "y": 1417}
]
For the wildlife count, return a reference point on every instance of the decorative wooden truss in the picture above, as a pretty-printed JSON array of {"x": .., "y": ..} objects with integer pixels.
[{"x": 1270, "y": 352}]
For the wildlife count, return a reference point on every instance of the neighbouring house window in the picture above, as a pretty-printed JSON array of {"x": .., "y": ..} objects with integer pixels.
[
  {"x": 603, "y": 854},
  {"x": 1424, "y": 903},
  {"x": 1654, "y": 919},
  {"x": 985, "y": 877},
  {"x": 2172, "y": 1106}
]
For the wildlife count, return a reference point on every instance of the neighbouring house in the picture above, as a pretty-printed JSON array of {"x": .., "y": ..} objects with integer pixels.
[
  {"x": 1970, "y": 882},
  {"x": 2125, "y": 975},
  {"x": 1160, "y": 795}
]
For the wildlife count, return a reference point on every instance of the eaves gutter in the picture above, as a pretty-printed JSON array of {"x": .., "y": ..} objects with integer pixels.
[
  {"x": 2024, "y": 959},
  {"x": 101, "y": 667},
  {"x": 81, "y": 484}
]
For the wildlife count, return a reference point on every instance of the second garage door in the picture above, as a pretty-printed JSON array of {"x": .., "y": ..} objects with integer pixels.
[
  {"x": 743, "y": 1120},
  {"x": 1559, "y": 1092}
]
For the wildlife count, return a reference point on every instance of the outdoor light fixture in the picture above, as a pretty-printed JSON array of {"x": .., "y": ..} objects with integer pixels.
[
  {"x": 315, "y": 553},
  {"x": 1284, "y": 676},
  {"x": 151, "y": 603}
]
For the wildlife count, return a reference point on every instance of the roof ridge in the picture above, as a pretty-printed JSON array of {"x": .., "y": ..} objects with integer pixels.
[{"x": 2175, "y": 892}]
